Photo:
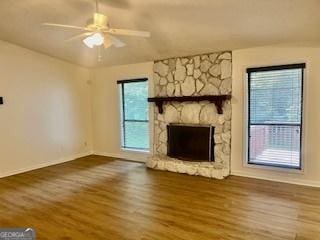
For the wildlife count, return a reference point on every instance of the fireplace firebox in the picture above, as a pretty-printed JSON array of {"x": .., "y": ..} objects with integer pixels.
[{"x": 191, "y": 142}]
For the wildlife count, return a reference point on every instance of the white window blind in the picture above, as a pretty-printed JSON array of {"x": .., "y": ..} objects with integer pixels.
[{"x": 275, "y": 115}]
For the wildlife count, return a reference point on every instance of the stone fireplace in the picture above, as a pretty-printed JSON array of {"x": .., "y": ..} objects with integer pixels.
[{"x": 203, "y": 75}]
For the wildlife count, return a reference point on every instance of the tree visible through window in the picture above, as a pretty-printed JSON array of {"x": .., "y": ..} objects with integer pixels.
[
  {"x": 135, "y": 114},
  {"x": 275, "y": 115}
]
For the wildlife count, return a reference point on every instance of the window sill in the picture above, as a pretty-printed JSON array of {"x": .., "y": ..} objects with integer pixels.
[
  {"x": 143, "y": 151},
  {"x": 274, "y": 168}
]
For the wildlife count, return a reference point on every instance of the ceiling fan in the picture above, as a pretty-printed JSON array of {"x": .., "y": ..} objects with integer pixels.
[{"x": 99, "y": 32}]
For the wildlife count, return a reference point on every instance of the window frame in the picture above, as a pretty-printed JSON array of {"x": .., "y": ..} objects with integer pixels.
[
  {"x": 300, "y": 66},
  {"x": 123, "y": 118}
]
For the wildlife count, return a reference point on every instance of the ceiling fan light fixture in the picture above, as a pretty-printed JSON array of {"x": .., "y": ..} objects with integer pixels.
[
  {"x": 96, "y": 39},
  {"x": 99, "y": 32}
]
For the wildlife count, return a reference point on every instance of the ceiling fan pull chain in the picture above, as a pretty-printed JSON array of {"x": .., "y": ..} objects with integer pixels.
[
  {"x": 97, "y": 6},
  {"x": 99, "y": 54}
]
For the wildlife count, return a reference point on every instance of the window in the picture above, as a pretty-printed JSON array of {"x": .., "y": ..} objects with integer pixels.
[
  {"x": 275, "y": 97},
  {"x": 135, "y": 114}
]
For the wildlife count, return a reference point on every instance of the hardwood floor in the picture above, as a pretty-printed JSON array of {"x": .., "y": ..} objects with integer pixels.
[{"x": 103, "y": 198}]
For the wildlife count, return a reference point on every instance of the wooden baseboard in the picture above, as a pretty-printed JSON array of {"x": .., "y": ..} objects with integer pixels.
[
  {"x": 45, "y": 164},
  {"x": 302, "y": 182},
  {"x": 133, "y": 158}
]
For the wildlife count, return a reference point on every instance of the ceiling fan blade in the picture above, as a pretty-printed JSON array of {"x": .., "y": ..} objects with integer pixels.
[
  {"x": 116, "y": 42},
  {"x": 64, "y": 26},
  {"x": 79, "y": 36},
  {"x": 128, "y": 32}
]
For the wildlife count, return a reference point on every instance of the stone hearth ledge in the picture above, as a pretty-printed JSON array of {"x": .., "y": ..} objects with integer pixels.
[{"x": 205, "y": 169}]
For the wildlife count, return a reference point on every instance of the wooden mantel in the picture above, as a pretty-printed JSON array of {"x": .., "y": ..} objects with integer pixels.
[{"x": 218, "y": 100}]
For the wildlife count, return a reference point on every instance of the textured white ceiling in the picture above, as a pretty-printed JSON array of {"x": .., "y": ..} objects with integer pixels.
[{"x": 178, "y": 27}]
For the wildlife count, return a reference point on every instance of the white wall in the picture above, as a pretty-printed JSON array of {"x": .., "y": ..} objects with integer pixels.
[
  {"x": 267, "y": 56},
  {"x": 46, "y": 115},
  {"x": 106, "y": 120}
]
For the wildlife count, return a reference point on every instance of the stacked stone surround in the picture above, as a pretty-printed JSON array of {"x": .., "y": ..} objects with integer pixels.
[{"x": 208, "y": 74}]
